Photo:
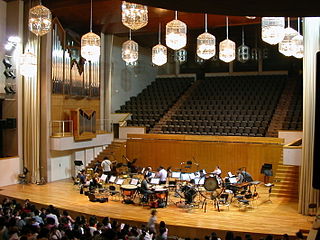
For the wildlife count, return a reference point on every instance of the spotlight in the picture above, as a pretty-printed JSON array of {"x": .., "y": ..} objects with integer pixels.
[
  {"x": 14, "y": 39},
  {"x": 6, "y": 63},
  {"x": 9, "y": 73},
  {"x": 8, "y": 46}
]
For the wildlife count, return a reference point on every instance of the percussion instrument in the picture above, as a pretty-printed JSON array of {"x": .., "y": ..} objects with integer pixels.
[
  {"x": 211, "y": 183},
  {"x": 128, "y": 192},
  {"x": 161, "y": 193}
]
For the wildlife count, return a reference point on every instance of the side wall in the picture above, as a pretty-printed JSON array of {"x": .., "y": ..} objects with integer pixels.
[{"x": 129, "y": 81}]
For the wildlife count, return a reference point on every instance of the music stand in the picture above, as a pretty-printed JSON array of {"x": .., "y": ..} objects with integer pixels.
[
  {"x": 266, "y": 169},
  {"x": 77, "y": 167}
]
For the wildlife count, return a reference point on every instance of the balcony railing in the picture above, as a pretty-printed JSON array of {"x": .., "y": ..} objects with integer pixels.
[{"x": 61, "y": 128}]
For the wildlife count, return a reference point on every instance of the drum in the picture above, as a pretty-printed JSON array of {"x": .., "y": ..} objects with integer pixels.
[
  {"x": 211, "y": 183},
  {"x": 161, "y": 193},
  {"x": 128, "y": 190}
]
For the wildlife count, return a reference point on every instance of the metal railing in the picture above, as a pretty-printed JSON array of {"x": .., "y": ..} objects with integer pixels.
[
  {"x": 104, "y": 125},
  {"x": 61, "y": 128}
]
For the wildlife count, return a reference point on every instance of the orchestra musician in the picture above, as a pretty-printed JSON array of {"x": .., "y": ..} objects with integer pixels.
[
  {"x": 145, "y": 187},
  {"x": 243, "y": 176},
  {"x": 82, "y": 177},
  {"x": 189, "y": 191},
  {"x": 217, "y": 171},
  {"x": 106, "y": 167},
  {"x": 95, "y": 182},
  {"x": 162, "y": 174},
  {"x": 148, "y": 173}
]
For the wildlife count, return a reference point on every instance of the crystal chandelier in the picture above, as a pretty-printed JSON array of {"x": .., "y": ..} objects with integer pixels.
[
  {"x": 90, "y": 43},
  {"x": 243, "y": 51},
  {"x": 39, "y": 20},
  {"x": 286, "y": 45},
  {"x": 159, "y": 52},
  {"x": 130, "y": 50},
  {"x": 134, "y": 16},
  {"x": 227, "y": 47},
  {"x": 28, "y": 64},
  {"x": 272, "y": 29},
  {"x": 180, "y": 56},
  {"x": 176, "y": 33},
  {"x": 297, "y": 44},
  {"x": 206, "y": 43}
]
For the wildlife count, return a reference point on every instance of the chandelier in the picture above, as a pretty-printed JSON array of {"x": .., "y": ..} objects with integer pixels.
[
  {"x": 286, "y": 45},
  {"x": 227, "y": 47},
  {"x": 176, "y": 33},
  {"x": 206, "y": 43},
  {"x": 180, "y": 56},
  {"x": 90, "y": 43},
  {"x": 297, "y": 44},
  {"x": 28, "y": 64},
  {"x": 130, "y": 50},
  {"x": 272, "y": 29},
  {"x": 134, "y": 16},
  {"x": 243, "y": 51},
  {"x": 39, "y": 20},
  {"x": 159, "y": 52}
]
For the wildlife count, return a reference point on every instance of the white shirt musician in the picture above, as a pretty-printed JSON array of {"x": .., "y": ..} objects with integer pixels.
[
  {"x": 162, "y": 174},
  {"x": 217, "y": 171},
  {"x": 106, "y": 165}
]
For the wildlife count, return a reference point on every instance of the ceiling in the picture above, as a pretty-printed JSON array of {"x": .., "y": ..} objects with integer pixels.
[{"x": 75, "y": 14}]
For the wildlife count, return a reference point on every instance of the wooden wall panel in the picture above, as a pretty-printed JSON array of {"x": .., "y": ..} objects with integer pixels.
[
  {"x": 228, "y": 155},
  {"x": 60, "y": 106}
]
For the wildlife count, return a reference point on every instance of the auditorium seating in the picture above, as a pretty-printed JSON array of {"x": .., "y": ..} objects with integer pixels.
[
  {"x": 228, "y": 106},
  {"x": 154, "y": 101},
  {"x": 293, "y": 119}
]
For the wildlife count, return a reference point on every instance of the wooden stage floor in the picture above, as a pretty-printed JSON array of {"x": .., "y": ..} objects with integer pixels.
[{"x": 277, "y": 217}]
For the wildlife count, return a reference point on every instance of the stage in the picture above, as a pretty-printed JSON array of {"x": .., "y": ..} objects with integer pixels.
[{"x": 277, "y": 217}]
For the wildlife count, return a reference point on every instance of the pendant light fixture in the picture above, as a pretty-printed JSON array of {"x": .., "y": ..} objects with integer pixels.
[
  {"x": 243, "y": 51},
  {"x": 297, "y": 44},
  {"x": 176, "y": 33},
  {"x": 134, "y": 16},
  {"x": 180, "y": 56},
  {"x": 286, "y": 45},
  {"x": 130, "y": 50},
  {"x": 206, "y": 42},
  {"x": 90, "y": 43},
  {"x": 227, "y": 47},
  {"x": 272, "y": 29},
  {"x": 159, "y": 52},
  {"x": 40, "y": 20}
]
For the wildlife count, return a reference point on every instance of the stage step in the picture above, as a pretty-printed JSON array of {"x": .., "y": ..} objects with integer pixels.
[
  {"x": 115, "y": 152},
  {"x": 286, "y": 182}
]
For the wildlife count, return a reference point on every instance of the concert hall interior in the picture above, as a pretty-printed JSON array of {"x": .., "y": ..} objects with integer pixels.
[{"x": 159, "y": 119}]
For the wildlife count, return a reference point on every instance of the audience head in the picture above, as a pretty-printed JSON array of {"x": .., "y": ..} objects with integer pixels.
[{"x": 229, "y": 235}]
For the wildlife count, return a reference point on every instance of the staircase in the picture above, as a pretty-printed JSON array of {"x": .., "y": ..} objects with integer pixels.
[
  {"x": 282, "y": 109},
  {"x": 286, "y": 182},
  {"x": 158, "y": 126},
  {"x": 114, "y": 152}
]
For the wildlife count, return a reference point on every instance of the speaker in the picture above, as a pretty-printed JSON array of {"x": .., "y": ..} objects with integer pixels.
[
  {"x": 316, "y": 150},
  {"x": 78, "y": 163}
]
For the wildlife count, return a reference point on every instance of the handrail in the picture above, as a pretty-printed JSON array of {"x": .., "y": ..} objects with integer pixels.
[
  {"x": 296, "y": 144},
  {"x": 181, "y": 137},
  {"x": 61, "y": 128}
]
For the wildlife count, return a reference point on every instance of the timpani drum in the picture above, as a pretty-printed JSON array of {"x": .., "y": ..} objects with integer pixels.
[{"x": 128, "y": 193}]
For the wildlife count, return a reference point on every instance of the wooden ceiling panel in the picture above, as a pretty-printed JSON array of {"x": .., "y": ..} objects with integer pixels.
[{"x": 75, "y": 14}]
